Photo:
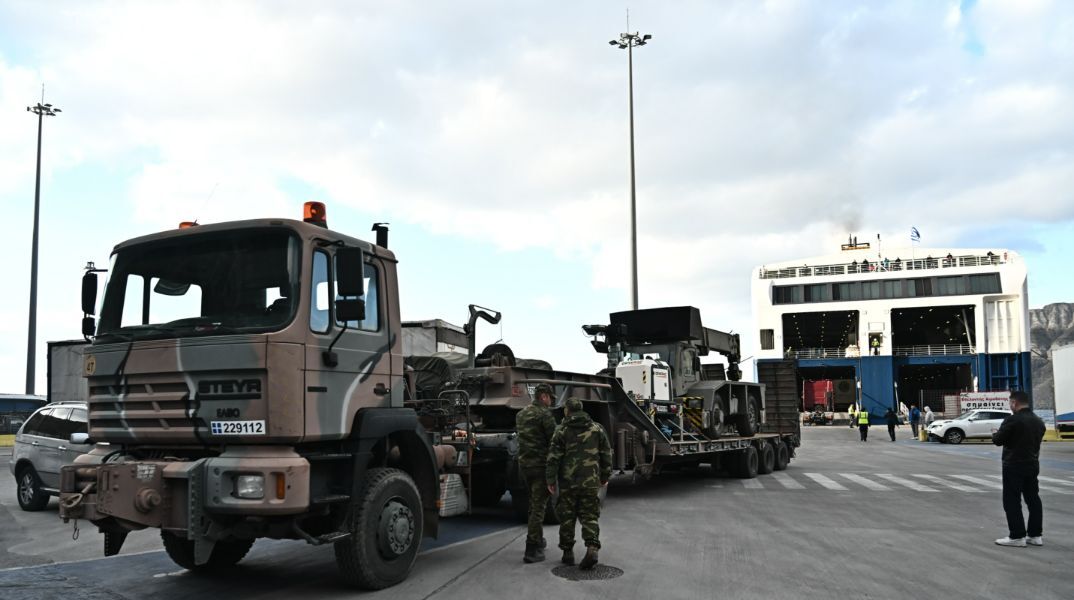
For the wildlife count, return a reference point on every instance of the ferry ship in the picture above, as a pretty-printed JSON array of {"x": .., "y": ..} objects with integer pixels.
[{"x": 896, "y": 328}]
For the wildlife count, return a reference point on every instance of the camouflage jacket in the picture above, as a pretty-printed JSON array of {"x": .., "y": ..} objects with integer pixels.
[
  {"x": 535, "y": 425},
  {"x": 580, "y": 455}
]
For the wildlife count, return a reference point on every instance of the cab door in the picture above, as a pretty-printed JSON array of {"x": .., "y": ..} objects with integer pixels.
[{"x": 357, "y": 372}]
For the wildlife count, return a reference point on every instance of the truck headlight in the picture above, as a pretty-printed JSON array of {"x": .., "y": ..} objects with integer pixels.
[{"x": 250, "y": 486}]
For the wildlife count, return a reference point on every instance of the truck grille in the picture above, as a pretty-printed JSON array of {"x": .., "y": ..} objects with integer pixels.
[{"x": 142, "y": 406}]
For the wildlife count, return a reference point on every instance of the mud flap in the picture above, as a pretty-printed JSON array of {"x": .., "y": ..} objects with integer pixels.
[
  {"x": 113, "y": 542},
  {"x": 198, "y": 525}
]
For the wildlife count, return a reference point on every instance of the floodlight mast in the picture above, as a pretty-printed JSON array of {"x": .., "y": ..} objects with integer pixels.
[
  {"x": 629, "y": 41},
  {"x": 42, "y": 111}
]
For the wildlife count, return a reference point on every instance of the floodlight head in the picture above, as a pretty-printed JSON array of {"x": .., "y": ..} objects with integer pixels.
[
  {"x": 56, "y": 110},
  {"x": 646, "y": 37},
  {"x": 614, "y": 43}
]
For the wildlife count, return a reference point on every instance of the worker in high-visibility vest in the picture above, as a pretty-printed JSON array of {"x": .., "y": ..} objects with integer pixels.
[
  {"x": 853, "y": 413},
  {"x": 863, "y": 424}
]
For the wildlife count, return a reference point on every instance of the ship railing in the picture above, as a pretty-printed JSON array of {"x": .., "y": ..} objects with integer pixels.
[
  {"x": 885, "y": 265},
  {"x": 821, "y": 353},
  {"x": 935, "y": 350}
]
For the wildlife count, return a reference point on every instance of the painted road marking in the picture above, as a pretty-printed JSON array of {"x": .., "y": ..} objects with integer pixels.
[
  {"x": 1054, "y": 480},
  {"x": 787, "y": 481},
  {"x": 1046, "y": 488},
  {"x": 869, "y": 483},
  {"x": 825, "y": 481},
  {"x": 942, "y": 481},
  {"x": 979, "y": 481},
  {"x": 917, "y": 487},
  {"x": 752, "y": 484}
]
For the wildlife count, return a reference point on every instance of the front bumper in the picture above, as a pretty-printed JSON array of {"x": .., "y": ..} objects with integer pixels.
[{"x": 175, "y": 494}]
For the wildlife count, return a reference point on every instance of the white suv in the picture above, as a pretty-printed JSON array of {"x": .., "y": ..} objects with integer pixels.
[
  {"x": 53, "y": 436},
  {"x": 970, "y": 424}
]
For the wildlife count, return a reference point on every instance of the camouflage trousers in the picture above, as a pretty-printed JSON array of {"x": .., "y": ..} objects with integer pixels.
[
  {"x": 538, "y": 504},
  {"x": 578, "y": 504}
]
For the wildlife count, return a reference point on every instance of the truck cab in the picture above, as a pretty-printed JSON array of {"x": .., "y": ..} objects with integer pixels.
[{"x": 248, "y": 377}]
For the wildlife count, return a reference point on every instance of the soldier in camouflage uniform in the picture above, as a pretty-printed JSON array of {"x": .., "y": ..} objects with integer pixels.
[
  {"x": 535, "y": 425},
  {"x": 580, "y": 458}
]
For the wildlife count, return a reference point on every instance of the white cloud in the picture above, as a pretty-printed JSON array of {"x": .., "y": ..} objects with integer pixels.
[{"x": 764, "y": 131}]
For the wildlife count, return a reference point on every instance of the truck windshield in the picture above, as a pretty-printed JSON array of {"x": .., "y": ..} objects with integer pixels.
[{"x": 207, "y": 284}]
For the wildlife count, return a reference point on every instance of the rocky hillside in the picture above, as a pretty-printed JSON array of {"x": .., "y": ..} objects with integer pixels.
[{"x": 1050, "y": 327}]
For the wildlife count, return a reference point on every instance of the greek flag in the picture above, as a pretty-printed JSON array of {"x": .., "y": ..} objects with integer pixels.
[{"x": 915, "y": 235}]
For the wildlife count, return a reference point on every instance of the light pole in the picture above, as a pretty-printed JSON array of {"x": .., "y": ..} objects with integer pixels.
[
  {"x": 42, "y": 111},
  {"x": 629, "y": 41}
]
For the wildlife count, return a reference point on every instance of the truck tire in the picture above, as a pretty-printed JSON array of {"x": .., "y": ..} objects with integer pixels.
[
  {"x": 766, "y": 462},
  {"x": 386, "y": 526},
  {"x": 783, "y": 457},
  {"x": 29, "y": 493},
  {"x": 225, "y": 554},
  {"x": 748, "y": 423},
  {"x": 746, "y": 463}
]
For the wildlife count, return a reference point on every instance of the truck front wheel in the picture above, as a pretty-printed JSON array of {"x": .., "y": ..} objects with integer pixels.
[
  {"x": 385, "y": 524},
  {"x": 225, "y": 554}
]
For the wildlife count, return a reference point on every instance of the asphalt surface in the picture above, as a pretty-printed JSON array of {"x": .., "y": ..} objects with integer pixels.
[{"x": 847, "y": 519}]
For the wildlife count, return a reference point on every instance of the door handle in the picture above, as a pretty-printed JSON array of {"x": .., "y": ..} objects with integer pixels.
[
  {"x": 62, "y": 448},
  {"x": 34, "y": 444},
  {"x": 380, "y": 390}
]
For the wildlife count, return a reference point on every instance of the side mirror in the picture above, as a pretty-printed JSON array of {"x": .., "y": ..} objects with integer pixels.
[
  {"x": 89, "y": 326},
  {"x": 89, "y": 293},
  {"x": 350, "y": 271},
  {"x": 350, "y": 310},
  {"x": 79, "y": 438}
]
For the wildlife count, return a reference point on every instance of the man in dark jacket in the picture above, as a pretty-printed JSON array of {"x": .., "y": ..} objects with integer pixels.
[
  {"x": 580, "y": 460},
  {"x": 892, "y": 420},
  {"x": 1020, "y": 435},
  {"x": 535, "y": 425}
]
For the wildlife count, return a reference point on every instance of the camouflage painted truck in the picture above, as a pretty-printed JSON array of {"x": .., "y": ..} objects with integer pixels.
[
  {"x": 248, "y": 380},
  {"x": 662, "y": 407}
]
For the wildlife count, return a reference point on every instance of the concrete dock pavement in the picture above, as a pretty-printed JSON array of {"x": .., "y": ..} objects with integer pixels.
[{"x": 683, "y": 535}]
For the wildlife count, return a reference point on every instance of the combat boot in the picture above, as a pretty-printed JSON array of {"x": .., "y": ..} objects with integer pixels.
[
  {"x": 533, "y": 553},
  {"x": 590, "y": 559},
  {"x": 568, "y": 557}
]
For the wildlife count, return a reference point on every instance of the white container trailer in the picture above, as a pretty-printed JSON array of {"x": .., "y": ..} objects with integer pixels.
[{"x": 1063, "y": 368}]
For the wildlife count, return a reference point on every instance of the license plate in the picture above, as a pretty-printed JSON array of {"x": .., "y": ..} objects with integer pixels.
[{"x": 237, "y": 427}]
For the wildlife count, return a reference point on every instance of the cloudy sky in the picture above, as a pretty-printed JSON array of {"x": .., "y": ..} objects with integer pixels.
[{"x": 493, "y": 137}]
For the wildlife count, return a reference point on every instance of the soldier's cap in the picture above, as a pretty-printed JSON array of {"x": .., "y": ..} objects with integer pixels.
[
  {"x": 543, "y": 388},
  {"x": 573, "y": 405}
]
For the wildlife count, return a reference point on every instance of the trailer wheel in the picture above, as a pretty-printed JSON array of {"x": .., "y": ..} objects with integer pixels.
[
  {"x": 746, "y": 463},
  {"x": 225, "y": 554},
  {"x": 748, "y": 423},
  {"x": 767, "y": 460},
  {"x": 386, "y": 525},
  {"x": 783, "y": 457}
]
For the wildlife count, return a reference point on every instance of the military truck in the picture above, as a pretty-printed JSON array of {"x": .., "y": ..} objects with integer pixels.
[{"x": 248, "y": 380}]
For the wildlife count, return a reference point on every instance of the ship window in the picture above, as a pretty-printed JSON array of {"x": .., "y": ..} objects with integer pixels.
[
  {"x": 817, "y": 293},
  {"x": 923, "y": 287},
  {"x": 893, "y": 288},
  {"x": 768, "y": 339},
  {"x": 870, "y": 290},
  {"x": 950, "y": 286},
  {"x": 787, "y": 294},
  {"x": 985, "y": 284}
]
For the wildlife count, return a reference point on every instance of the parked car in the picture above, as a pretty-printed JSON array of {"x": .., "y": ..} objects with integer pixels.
[
  {"x": 969, "y": 425},
  {"x": 55, "y": 435}
]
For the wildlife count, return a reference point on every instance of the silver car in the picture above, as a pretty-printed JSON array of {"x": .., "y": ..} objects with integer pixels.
[{"x": 52, "y": 437}]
